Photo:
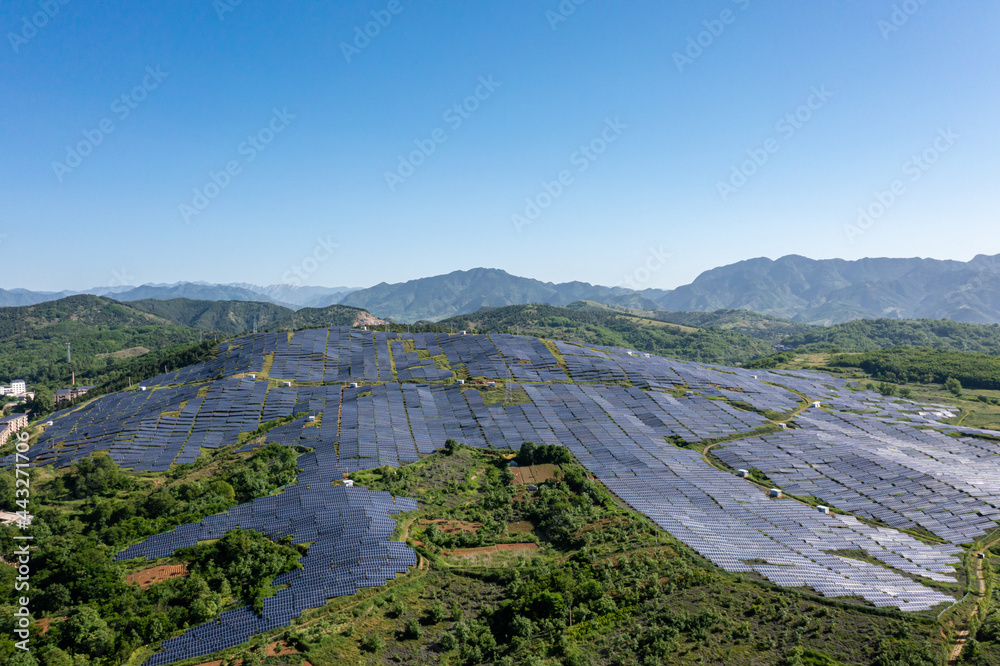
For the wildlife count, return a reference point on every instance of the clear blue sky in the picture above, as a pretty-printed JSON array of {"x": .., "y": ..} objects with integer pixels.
[{"x": 682, "y": 128}]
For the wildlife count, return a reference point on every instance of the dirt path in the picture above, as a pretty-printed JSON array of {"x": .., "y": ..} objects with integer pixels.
[{"x": 963, "y": 636}]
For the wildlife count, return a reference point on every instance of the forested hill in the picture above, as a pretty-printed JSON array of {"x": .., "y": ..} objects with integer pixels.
[
  {"x": 102, "y": 333},
  {"x": 225, "y": 316},
  {"x": 873, "y": 334},
  {"x": 106, "y": 336},
  {"x": 606, "y": 327},
  {"x": 831, "y": 291}
]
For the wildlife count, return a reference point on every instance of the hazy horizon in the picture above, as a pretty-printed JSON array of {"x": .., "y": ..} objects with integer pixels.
[{"x": 123, "y": 286}]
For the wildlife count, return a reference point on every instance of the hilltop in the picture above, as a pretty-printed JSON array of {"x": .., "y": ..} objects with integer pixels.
[
  {"x": 461, "y": 292},
  {"x": 613, "y": 328}
]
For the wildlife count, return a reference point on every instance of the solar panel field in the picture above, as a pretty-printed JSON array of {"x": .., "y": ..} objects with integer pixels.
[{"x": 907, "y": 491}]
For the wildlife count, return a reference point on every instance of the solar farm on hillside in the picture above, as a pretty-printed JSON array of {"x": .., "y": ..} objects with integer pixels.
[{"x": 364, "y": 399}]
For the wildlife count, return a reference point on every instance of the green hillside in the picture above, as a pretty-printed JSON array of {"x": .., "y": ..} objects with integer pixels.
[
  {"x": 926, "y": 366},
  {"x": 103, "y": 334},
  {"x": 754, "y": 324},
  {"x": 112, "y": 341},
  {"x": 334, "y": 315},
  {"x": 607, "y": 327},
  {"x": 873, "y": 334},
  {"x": 235, "y": 317},
  {"x": 225, "y": 316},
  {"x": 586, "y": 581}
]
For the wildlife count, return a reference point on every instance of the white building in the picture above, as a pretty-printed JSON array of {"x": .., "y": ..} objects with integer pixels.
[{"x": 17, "y": 387}]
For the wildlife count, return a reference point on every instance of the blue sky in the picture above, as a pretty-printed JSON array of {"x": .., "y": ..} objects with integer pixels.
[{"x": 605, "y": 134}]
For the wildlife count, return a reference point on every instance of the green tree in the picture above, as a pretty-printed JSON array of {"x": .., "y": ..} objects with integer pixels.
[
  {"x": 223, "y": 490},
  {"x": 86, "y": 631},
  {"x": 954, "y": 386},
  {"x": 43, "y": 403}
]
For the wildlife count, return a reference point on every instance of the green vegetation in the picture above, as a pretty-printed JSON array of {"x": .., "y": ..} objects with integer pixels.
[
  {"x": 983, "y": 646},
  {"x": 33, "y": 339},
  {"x": 245, "y": 561},
  {"x": 530, "y": 454},
  {"x": 866, "y": 335},
  {"x": 927, "y": 366},
  {"x": 231, "y": 317},
  {"x": 604, "y": 586},
  {"x": 86, "y": 513},
  {"x": 235, "y": 317},
  {"x": 753, "y": 324},
  {"x": 607, "y": 327}
]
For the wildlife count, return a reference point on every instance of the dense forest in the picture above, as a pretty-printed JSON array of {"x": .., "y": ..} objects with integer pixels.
[
  {"x": 873, "y": 334},
  {"x": 926, "y": 366}
]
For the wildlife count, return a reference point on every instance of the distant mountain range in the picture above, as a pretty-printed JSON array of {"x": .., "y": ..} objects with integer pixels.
[
  {"x": 464, "y": 292},
  {"x": 831, "y": 291},
  {"x": 809, "y": 291},
  {"x": 289, "y": 296},
  {"x": 802, "y": 290}
]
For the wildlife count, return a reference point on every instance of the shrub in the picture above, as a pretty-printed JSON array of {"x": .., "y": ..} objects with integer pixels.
[
  {"x": 372, "y": 643},
  {"x": 412, "y": 630}
]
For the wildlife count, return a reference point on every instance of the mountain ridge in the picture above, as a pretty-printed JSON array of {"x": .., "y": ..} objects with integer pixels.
[{"x": 793, "y": 287}]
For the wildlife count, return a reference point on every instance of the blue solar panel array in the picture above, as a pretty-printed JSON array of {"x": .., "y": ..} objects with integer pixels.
[{"x": 880, "y": 458}]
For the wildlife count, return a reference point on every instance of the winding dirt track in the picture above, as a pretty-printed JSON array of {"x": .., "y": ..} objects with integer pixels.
[{"x": 963, "y": 636}]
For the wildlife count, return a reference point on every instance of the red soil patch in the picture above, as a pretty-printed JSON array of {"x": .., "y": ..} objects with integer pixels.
[
  {"x": 280, "y": 649},
  {"x": 533, "y": 474},
  {"x": 489, "y": 550},
  {"x": 453, "y": 526},
  {"x": 148, "y": 577},
  {"x": 46, "y": 622}
]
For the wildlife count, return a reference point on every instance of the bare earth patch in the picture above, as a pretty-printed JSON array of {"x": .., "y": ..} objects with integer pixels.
[
  {"x": 490, "y": 550},
  {"x": 521, "y": 527},
  {"x": 131, "y": 352},
  {"x": 453, "y": 526},
  {"x": 46, "y": 622},
  {"x": 367, "y": 319},
  {"x": 148, "y": 577},
  {"x": 533, "y": 474}
]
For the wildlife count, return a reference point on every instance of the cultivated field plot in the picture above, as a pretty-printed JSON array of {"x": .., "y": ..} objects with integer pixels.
[{"x": 629, "y": 418}]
